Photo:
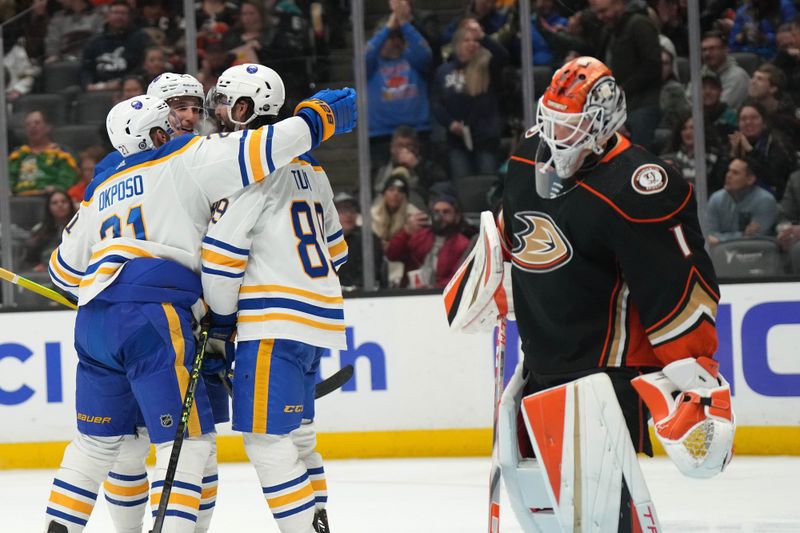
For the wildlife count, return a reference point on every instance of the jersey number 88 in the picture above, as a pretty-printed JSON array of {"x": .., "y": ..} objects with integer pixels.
[{"x": 305, "y": 229}]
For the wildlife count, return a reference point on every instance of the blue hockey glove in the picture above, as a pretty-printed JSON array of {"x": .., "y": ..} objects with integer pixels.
[
  {"x": 328, "y": 113},
  {"x": 220, "y": 348}
]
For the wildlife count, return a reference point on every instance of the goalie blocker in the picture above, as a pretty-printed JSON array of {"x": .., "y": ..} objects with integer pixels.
[{"x": 574, "y": 466}]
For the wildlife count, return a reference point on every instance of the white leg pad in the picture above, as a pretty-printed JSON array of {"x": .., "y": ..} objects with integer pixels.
[
  {"x": 208, "y": 498},
  {"x": 284, "y": 480},
  {"x": 126, "y": 489},
  {"x": 580, "y": 437},
  {"x": 523, "y": 477},
  {"x": 184, "y": 501},
  {"x": 305, "y": 439}
]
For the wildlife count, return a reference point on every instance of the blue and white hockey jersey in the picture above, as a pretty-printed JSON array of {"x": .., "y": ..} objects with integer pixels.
[
  {"x": 157, "y": 203},
  {"x": 271, "y": 252}
]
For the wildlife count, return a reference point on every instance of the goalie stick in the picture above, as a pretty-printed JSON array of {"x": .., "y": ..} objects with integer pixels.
[{"x": 499, "y": 381}]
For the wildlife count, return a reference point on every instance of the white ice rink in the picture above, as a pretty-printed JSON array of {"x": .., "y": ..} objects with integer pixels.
[{"x": 756, "y": 494}]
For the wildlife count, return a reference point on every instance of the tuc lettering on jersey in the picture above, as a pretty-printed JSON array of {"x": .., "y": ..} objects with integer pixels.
[
  {"x": 540, "y": 246},
  {"x": 120, "y": 190}
]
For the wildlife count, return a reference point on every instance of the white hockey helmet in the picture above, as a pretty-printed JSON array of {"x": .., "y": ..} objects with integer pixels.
[
  {"x": 170, "y": 85},
  {"x": 259, "y": 83},
  {"x": 129, "y": 123},
  {"x": 582, "y": 108}
]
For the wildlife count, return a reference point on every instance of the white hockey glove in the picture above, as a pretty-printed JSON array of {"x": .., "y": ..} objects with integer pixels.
[
  {"x": 690, "y": 403},
  {"x": 480, "y": 291}
]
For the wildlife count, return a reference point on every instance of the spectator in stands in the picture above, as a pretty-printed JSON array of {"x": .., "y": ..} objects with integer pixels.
[
  {"x": 20, "y": 71},
  {"x": 398, "y": 60},
  {"x": 672, "y": 101},
  {"x": 154, "y": 63},
  {"x": 788, "y": 57},
  {"x": 633, "y": 54},
  {"x": 465, "y": 101},
  {"x": 756, "y": 23},
  {"x": 681, "y": 154},
  {"x": 215, "y": 60},
  {"x": 579, "y": 38},
  {"x": 250, "y": 40},
  {"x": 132, "y": 85},
  {"x": 40, "y": 166},
  {"x": 672, "y": 18},
  {"x": 115, "y": 52},
  {"x": 719, "y": 115},
  {"x": 486, "y": 12},
  {"x": 430, "y": 254},
  {"x": 788, "y": 228},
  {"x": 154, "y": 17},
  {"x": 210, "y": 12},
  {"x": 46, "y": 235},
  {"x": 734, "y": 79},
  {"x": 390, "y": 212},
  {"x": 70, "y": 29},
  {"x": 763, "y": 147},
  {"x": 767, "y": 87},
  {"x": 405, "y": 152},
  {"x": 89, "y": 159},
  {"x": 427, "y": 24},
  {"x": 351, "y": 274},
  {"x": 741, "y": 208}
]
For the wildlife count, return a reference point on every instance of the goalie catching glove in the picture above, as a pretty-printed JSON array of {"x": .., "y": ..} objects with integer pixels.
[
  {"x": 480, "y": 291},
  {"x": 690, "y": 403}
]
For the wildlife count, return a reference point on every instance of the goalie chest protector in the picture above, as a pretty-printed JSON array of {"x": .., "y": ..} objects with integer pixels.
[{"x": 612, "y": 272}]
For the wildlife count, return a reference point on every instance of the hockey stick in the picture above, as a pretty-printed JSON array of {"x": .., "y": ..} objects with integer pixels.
[
  {"x": 499, "y": 382},
  {"x": 323, "y": 388},
  {"x": 188, "y": 403},
  {"x": 35, "y": 287}
]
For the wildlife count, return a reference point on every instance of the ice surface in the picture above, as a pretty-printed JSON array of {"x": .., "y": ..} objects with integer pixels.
[{"x": 756, "y": 494}]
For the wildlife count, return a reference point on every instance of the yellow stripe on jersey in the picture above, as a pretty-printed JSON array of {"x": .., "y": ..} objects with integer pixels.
[
  {"x": 85, "y": 282},
  {"x": 290, "y": 318},
  {"x": 140, "y": 252},
  {"x": 182, "y": 374},
  {"x": 291, "y": 290},
  {"x": 209, "y": 492},
  {"x": 319, "y": 484},
  {"x": 224, "y": 260},
  {"x": 66, "y": 276},
  {"x": 303, "y": 492},
  {"x": 71, "y": 503},
  {"x": 256, "y": 168},
  {"x": 146, "y": 164},
  {"x": 338, "y": 248},
  {"x": 261, "y": 385}
]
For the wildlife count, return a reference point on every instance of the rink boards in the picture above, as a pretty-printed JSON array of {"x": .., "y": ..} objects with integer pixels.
[{"x": 419, "y": 390}]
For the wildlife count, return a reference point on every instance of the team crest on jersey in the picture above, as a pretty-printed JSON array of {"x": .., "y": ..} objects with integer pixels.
[
  {"x": 540, "y": 246},
  {"x": 649, "y": 179}
]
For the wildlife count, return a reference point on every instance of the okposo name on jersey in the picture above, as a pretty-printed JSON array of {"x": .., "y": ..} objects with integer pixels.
[{"x": 127, "y": 188}]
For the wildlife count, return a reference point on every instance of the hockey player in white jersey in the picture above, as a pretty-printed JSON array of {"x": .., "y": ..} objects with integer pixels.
[
  {"x": 131, "y": 257},
  {"x": 271, "y": 252},
  {"x": 126, "y": 488}
]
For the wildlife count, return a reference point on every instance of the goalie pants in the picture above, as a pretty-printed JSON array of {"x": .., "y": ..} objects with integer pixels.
[{"x": 633, "y": 408}]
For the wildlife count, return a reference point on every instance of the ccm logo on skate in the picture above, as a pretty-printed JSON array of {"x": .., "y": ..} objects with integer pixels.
[
  {"x": 94, "y": 419},
  {"x": 293, "y": 409},
  {"x": 540, "y": 246}
]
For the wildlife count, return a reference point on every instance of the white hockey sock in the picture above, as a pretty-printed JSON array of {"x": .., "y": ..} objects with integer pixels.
[
  {"x": 284, "y": 481},
  {"x": 86, "y": 462},
  {"x": 126, "y": 488},
  {"x": 184, "y": 500},
  {"x": 305, "y": 440},
  {"x": 208, "y": 496}
]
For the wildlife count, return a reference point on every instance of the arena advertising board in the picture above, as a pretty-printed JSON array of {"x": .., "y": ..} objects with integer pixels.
[{"x": 418, "y": 388}]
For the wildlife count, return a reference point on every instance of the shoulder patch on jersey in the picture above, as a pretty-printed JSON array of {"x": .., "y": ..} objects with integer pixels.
[
  {"x": 649, "y": 179},
  {"x": 540, "y": 246}
]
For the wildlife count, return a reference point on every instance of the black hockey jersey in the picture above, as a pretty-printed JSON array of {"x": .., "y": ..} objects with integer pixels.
[{"x": 613, "y": 272}]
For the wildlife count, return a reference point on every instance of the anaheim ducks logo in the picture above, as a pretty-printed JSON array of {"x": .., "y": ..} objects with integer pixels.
[{"x": 540, "y": 246}]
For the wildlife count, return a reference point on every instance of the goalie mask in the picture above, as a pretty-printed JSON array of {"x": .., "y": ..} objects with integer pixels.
[
  {"x": 261, "y": 86},
  {"x": 582, "y": 108}
]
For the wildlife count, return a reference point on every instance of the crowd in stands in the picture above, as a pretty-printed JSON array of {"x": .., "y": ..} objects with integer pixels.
[{"x": 444, "y": 99}]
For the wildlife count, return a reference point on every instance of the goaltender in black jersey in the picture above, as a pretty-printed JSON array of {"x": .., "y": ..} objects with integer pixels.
[{"x": 609, "y": 270}]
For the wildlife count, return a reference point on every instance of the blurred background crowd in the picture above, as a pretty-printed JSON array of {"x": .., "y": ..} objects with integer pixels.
[{"x": 445, "y": 108}]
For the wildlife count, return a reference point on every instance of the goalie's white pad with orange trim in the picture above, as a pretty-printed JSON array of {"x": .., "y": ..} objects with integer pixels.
[
  {"x": 690, "y": 403},
  {"x": 591, "y": 471},
  {"x": 480, "y": 291}
]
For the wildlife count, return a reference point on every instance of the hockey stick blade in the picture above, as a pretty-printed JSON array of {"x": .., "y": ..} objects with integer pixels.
[
  {"x": 336, "y": 381},
  {"x": 323, "y": 388}
]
